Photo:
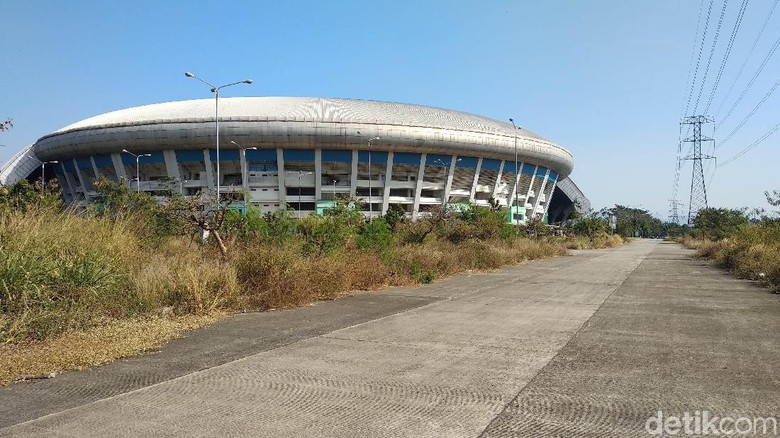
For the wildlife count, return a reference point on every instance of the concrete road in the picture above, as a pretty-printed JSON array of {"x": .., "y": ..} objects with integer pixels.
[{"x": 592, "y": 344}]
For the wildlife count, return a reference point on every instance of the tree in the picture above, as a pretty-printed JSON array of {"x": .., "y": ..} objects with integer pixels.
[
  {"x": 719, "y": 223},
  {"x": 773, "y": 198},
  {"x": 6, "y": 125},
  {"x": 590, "y": 226},
  {"x": 633, "y": 222},
  {"x": 24, "y": 196}
]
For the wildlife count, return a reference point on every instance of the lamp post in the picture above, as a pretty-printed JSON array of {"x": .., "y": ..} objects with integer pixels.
[
  {"x": 43, "y": 173},
  {"x": 370, "y": 206},
  {"x": 517, "y": 175},
  {"x": 242, "y": 151},
  {"x": 215, "y": 90},
  {"x": 137, "y": 167}
]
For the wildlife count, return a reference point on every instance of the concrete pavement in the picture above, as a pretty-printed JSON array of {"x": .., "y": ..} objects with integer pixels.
[{"x": 586, "y": 345}]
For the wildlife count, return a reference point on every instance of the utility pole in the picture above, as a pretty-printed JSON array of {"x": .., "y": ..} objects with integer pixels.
[{"x": 698, "y": 198}]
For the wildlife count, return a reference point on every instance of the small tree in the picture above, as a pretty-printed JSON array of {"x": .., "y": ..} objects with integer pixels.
[
  {"x": 719, "y": 223},
  {"x": 5, "y": 125},
  {"x": 773, "y": 198},
  {"x": 24, "y": 196},
  {"x": 204, "y": 213}
]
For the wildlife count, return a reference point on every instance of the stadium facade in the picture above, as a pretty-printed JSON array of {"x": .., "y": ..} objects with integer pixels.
[{"x": 305, "y": 152}]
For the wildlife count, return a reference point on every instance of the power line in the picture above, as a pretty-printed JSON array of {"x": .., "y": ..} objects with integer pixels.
[
  {"x": 734, "y": 32},
  {"x": 712, "y": 53},
  {"x": 744, "y": 64},
  {"x": 752, "y": 145},
  {"x": 698, "y": 59},
  {"x": 693, "y": 55},
  {"x": 752, "y": 81},
  {"x": 758, "y": 105}
]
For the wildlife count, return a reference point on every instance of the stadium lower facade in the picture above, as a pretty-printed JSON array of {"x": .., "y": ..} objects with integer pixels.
[{"x": 303, "y": 153}]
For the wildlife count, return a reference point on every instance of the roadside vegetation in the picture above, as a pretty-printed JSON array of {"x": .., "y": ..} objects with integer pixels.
[
  {"x": 73, "y": 280},
  {"x": 746, "y": 243}
]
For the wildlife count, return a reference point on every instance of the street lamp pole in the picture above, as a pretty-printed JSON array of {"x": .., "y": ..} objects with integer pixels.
[
  {"x": 137, "y": 168},
  {"x": 242, "y": 151},
  {"x": 370, "y": 206},
  {"x": 43, "y": 173},
  {"x": 517, "y": 175},
  {"x": 215, "y": 90},
  {"x": 444, "y": 198}
]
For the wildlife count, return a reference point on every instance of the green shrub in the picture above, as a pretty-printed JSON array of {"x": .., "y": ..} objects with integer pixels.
[{"x": 376, "y": 236}]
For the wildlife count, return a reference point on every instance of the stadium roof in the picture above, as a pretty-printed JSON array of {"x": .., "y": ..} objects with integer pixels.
[{"x": 301, "y": 109}]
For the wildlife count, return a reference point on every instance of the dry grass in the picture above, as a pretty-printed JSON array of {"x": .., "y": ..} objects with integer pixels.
[
  {"x": 77, "y": 350},
  {"x": 77, "y": 292},
  {"x": 596, "y": 242},
  {"x": 187, "y": 278},
  {"x": 747, "y": 254}
]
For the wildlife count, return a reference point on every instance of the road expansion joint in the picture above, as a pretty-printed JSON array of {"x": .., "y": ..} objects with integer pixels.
[{"x": 574, "y": 334}]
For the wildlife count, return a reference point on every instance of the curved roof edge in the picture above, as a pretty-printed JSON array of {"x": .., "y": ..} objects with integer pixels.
[
  {"x": 570, "y": 189},
  {"x": 290, "y": 109},
  {"x": 19, "y": 167}
]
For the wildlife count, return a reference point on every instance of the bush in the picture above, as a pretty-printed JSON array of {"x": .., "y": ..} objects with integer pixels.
[
  {"x": 750, "y": 251},
  {"x": 719, "y": 223},
  {"x": 376, "y": 236}
]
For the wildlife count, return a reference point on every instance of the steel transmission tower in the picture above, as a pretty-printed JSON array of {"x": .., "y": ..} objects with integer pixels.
[
  {"x": 698, "y": 199},
  {"x": 674, "y": 211}
]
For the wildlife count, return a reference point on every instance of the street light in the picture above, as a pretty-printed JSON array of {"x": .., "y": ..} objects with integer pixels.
[
  {"x": 137, "y": 167},
  {"x": 370, "y": 206},
  {"x": 43, "y": 173},
  {"x": 242, "y": 151},
  {"x": 517, "y": 175},
  {"x": 215, "y": 90}
]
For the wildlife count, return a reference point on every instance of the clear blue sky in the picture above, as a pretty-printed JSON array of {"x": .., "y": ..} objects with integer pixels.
[{"x": 605, "y": 79}]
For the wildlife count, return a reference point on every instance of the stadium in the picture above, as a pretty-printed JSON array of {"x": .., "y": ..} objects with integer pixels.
[{"x": 304, "y": 153}]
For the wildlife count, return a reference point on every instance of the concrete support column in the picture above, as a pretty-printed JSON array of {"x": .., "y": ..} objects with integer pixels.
[
  {"x": 450, "y": 176},
  {"x": 282, "y": 178},
  {"x": 94, "y": 167},
  {"x": 68, "y": 182},
  {"x": 244, "y": 169},
  {"x": 547, "y": 201},
  {"x": 317, "y": 174},
  {"x": 498, "y": 179},
  {"x": 209, "y": 169},
  {"x": 541, "y": 190},
  {"x": 353, "y": 178},
  {"x": 531, "y": 186},
  {"x": 473, "y": 195},
  {"x": 513, "y": 195},
  {"x": 119, "y": 167},
  {"x": 81, "y": 179},
  {"x": 418, "y": 187},
  {"x": 171, "y": 165},
  {"x": 388, "y": 182}
]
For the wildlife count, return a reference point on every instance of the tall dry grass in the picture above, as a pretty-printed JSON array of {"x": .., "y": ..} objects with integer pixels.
[
  {"x": 61, "y": 271},
  {"x": 597, "y": 241},
  {"x": 752, "y": 252}
]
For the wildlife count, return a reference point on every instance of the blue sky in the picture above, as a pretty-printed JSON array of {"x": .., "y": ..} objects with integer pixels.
[{"x": 605, "y": 79}]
